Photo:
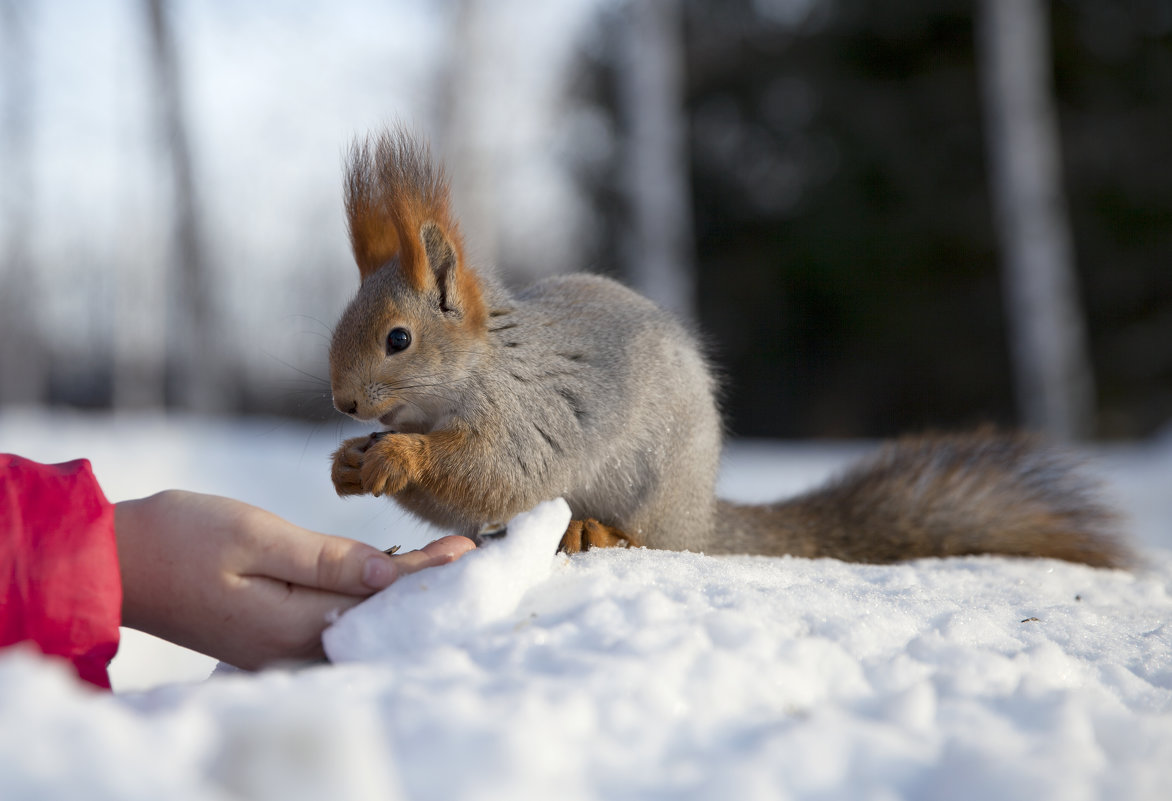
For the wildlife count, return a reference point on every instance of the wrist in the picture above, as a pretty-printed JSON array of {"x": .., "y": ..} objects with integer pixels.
[
  {"x": 147, "y": 576},
  {"x": 129, "y": 523}
]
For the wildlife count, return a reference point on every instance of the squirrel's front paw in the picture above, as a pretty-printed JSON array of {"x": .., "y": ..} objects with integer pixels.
[
  {"x": 380, "y": 464},
  {"x": 347, "y": 469},
  {"x": 391, "y": 462}
]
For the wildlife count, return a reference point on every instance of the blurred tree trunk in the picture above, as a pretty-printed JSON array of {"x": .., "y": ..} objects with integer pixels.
[
  {"x": 23, "y": 369},
  {"x": 193, "y": 359},
  {"x": 658, "y": 250},
  {"x": 1053, "y": 374},
  {"x": 471, "y": 165}
]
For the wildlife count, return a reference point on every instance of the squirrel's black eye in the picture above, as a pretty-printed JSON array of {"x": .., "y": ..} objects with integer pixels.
[{"x": 398, "y": 340}]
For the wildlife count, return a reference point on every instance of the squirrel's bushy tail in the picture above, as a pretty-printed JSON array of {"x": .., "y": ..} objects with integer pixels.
[{"x": 950, "y": 495}]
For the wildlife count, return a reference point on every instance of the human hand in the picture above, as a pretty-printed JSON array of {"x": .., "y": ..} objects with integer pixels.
[{"x": 241, "y": 584}]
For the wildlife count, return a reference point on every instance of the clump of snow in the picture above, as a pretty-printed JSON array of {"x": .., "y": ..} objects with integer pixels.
[
  {"x": 443, "y": 606},
  {"x": 625, "y": 674}
]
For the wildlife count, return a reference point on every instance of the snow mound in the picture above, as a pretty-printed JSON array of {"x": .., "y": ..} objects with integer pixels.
[
  {"x": 626, "y": 674},
  {"x": 445, "y": 607}
]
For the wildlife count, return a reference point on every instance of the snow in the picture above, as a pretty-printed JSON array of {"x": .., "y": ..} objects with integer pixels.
[
  {"x": 444, "y": 606},
  {"x": 619, "y": 674}
]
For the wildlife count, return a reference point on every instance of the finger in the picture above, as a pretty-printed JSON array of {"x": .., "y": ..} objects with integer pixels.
[
  {"x": 341, "y": 565},
  {"x": 317, "y": 561},
  {"x": 289, "y": 625},
  {"x": 453, "y": 545},
  {"x": 440, "y": 552}
]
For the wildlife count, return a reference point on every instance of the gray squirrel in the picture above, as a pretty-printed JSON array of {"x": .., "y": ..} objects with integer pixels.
[{"x": 580, "y": 388}]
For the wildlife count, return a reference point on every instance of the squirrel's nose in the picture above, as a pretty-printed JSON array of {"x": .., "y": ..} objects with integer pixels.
[{"x": 346, "y": 406}]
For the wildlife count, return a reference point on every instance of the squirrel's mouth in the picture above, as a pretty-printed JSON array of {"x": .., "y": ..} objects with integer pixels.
[
  {"x": 404, "y": 419},
  {"x": 388, "y": 419}
]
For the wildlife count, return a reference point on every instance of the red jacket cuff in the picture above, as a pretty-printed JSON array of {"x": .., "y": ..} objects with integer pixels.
[{"x": 59, "y": 558}]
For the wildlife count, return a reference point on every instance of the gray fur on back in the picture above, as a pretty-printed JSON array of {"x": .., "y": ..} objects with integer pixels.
[{"x": 602, "y": 377}]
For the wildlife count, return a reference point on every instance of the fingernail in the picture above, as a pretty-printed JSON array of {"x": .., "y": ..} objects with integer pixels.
[{"x": 378, "y": 572}]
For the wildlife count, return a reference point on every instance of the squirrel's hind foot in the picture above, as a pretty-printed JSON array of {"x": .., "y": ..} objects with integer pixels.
[{"x": 582, "y": 535}]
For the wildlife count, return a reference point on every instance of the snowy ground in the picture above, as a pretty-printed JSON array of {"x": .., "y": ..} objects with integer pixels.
[{"x": 619, "y": 674}]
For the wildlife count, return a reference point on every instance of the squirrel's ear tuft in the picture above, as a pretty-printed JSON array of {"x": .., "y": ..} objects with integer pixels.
[
  {"x": 392, "y": 187},
  {"x": 398, "y": 207},
  {"x": 373, "y": 235}
]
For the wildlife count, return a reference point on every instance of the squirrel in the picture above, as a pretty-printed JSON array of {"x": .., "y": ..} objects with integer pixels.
[{"x": 581, "y": 388}]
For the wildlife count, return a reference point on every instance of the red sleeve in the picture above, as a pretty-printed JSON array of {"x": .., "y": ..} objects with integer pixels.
[{"x": 59, "y": 582}]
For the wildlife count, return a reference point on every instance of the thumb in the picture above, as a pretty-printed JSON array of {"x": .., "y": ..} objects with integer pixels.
[{"x": 341, "y": 565}]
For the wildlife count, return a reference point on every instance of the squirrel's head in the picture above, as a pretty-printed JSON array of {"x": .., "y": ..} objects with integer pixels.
[{"x": 419, "y": 314}]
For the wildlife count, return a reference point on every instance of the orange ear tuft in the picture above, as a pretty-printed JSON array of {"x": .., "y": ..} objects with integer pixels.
[
  {"x": 372, "y": 232},
  {"x": 392, "y": 189}
]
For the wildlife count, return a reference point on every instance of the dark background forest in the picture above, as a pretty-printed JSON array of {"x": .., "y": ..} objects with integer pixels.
[{"x": 859, "y": 293}]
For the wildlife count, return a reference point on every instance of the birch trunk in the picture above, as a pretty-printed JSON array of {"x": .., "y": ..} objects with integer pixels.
[
  {"x": 23, "y": 356},
  {"x": 193, "y": 364},
  {"x": 658, "y": 248},
  {"x": 1053, "y": 378}
]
